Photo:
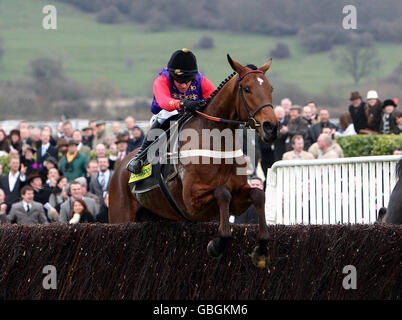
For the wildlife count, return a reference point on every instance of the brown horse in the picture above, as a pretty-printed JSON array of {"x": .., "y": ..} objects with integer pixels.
[{"x": 203, "y": 190}]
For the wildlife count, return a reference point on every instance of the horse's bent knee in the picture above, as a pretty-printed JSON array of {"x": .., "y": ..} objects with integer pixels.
[{"x": 222, "y": 194}]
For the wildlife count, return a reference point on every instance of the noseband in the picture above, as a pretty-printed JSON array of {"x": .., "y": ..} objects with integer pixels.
[{"x": 250, "y": 116}]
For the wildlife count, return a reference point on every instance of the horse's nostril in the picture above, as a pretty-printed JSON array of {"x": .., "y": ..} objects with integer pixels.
[{"x": 268, "y": 127}]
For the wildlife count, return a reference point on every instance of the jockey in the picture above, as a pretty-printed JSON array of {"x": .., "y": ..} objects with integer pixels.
[{"x": 178, "y": 87}]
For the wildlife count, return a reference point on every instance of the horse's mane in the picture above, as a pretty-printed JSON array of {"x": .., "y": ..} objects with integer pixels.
[
  {"x": 213, "y": 94},
  {"x": 399, "y": 169}
]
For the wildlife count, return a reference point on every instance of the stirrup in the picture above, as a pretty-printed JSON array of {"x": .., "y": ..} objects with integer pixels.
[{"x": 135, "y": 165}]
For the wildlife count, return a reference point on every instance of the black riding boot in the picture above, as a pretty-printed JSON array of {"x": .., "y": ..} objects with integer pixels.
[{"x": 136, "y": 163}]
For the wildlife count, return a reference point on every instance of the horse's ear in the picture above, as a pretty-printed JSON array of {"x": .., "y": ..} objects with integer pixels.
[
  {"x": 235, "y": 65},
  {"x": 264, "y": 68}
]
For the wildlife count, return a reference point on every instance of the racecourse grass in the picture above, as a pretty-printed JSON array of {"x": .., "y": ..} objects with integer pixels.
[
  {"x": 168, "y": 260},
  {"x": 129, "y": 55}
]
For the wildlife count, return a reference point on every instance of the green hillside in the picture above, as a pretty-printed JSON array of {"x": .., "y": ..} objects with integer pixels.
[{"x": 129, "y": 55}]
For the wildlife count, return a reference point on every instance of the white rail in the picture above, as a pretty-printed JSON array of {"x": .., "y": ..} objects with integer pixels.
[{"x": 331, "y": 191}]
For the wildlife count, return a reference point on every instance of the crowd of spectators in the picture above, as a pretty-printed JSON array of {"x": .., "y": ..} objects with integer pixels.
[
  {"x": 61, "y": 176},
  {"x": 308, "y": 133},
  {"x": 64, "y": 176}
]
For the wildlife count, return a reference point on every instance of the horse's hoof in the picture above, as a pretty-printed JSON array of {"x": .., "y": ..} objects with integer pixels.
[
  {"x": 259, "y": 260},
  {"x": 212, "y": 251}
]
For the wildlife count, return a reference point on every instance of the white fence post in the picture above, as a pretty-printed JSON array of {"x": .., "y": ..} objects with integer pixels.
[{"x": 343, "y": 190}]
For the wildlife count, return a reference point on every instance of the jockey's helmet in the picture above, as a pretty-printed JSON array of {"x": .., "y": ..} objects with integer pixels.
[{"x": 182, "y": 65}]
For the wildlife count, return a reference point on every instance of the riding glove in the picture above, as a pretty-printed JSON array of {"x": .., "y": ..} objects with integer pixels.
[{"x": 189, "y": 105}]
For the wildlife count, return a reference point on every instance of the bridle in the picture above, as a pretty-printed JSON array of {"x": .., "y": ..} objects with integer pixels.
[{"x": 250, "y": 116}]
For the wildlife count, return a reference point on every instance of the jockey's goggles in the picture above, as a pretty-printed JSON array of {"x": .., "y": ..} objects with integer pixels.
[{"x": 183, "y": 80}]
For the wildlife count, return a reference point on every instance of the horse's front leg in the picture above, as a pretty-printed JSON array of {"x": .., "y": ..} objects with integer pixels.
[
  {"x": 240, "y": 203},
  {"x": 259, "y": 255},
  {"x": 218, "y": 245}
]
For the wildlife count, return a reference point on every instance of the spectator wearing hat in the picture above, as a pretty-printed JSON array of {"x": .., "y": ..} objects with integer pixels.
[
  {"x": 14, "y": 180},
  {"x": 88, "y": 137},
  {"x": 357, "y": 111},
  {"x": 388, "y": 119},
  {"x": 45, "y": 149},
  {"x": 315, "y": 130},
  {"x": 122, "y": 145},
  {"x": 27, "y": 159},
  {"x": 125, "y": 135},
  {"x": 15, "y": 140},
  {"x": 77, "y": 137},
  {"x": 100, "y": 136},
  {"x": 297, "y": 125},
  {"x": 373, "y": 112},
  {"x": 62, "y": 146},
  {"x": 48, "y": 164},
  {"x": 41, "y": 193},
  {"x": 73, "y": 163}
]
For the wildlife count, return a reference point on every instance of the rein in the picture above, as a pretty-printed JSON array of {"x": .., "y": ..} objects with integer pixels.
[{"x": 250, "y": 116}]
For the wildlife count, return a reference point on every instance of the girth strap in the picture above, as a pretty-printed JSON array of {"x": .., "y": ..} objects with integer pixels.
[{"x": 168, "y": 196}]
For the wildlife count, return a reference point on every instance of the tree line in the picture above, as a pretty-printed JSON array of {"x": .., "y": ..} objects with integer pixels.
[{"x": 317, "y": 22}]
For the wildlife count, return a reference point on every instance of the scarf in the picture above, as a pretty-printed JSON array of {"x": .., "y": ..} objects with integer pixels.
[{"x": 71, "y": 157}]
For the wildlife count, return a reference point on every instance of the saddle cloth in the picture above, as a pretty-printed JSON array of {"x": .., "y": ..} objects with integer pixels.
[{"x": 147, "y": 179}]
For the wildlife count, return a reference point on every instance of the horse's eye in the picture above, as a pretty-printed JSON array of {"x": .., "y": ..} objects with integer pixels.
[{"x": 247, "y": 90}]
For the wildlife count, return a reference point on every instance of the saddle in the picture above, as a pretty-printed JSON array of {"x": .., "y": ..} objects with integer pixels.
[{"x": 153, "y": 172}]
